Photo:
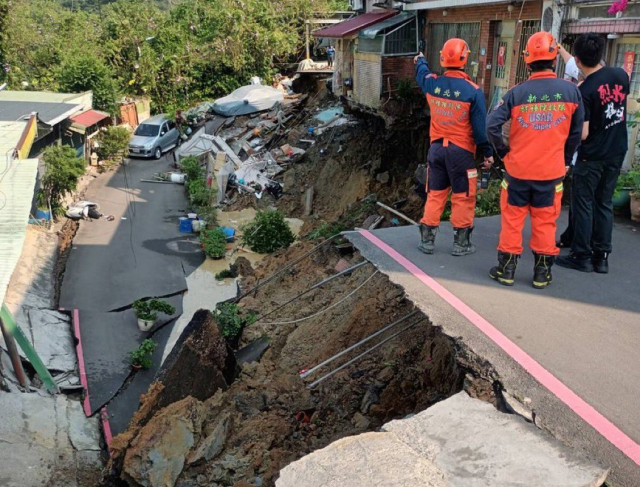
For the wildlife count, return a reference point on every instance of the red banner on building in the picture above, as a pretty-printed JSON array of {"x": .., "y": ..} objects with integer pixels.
[
  {"x": 501, "y": 55},
  {"x": 629, "y": 59}
]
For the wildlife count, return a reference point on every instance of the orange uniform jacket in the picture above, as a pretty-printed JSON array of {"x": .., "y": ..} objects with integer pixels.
[
  {"x": 457, "y": 108},
  {"x": 546, "y": 116}
]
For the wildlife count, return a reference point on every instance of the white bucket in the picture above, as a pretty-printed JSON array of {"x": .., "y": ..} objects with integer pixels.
[
  {"x": 177, "y": 178},
  {"x": 192, "y": 216}
]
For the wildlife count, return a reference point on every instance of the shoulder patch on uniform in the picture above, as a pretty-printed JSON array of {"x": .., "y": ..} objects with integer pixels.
[
  {"x": 472, "y": 84},
  {"x": 499, "y": 104}
]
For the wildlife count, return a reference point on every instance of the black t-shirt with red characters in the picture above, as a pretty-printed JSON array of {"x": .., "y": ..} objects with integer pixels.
[{"x": 604, "y": 94}]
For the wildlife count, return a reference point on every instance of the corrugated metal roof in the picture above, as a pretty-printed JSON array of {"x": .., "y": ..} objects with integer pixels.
[
  {"x": 89, "y": 118},
  {"x": 17, "y": 185},
  {"x": 49, "y": 113},
  {"x": 352, "y": 26},
  {"x": 10, "y": 133},
  {"x": 372, "y": 31},
  {"x": 42, "y": 96}
]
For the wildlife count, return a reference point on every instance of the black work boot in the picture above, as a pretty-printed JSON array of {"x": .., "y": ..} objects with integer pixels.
[
  {"x": 600, "y": 262},
  {"x": 505, "y": 271},
  {"x": 542, "y": 270},
  {"x": 428, "y": 238},
  {"x": 462, "y": 242},
  {"x": 576, "y": 262}
]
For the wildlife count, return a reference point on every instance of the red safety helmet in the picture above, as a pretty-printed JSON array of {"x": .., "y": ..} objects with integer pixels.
[
  {"x": 541, "y": 46},
  {"x": 454, "y": 54}
]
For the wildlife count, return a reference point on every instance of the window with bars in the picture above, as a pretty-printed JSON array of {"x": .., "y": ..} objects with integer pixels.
[
  {"x": 602, "y": 12},
  {"x": 441, "y": 33},
  {"x": 403, "y": 40},
  {"x": 528, "y": 28},
  {"x": 634, "y": 86}
]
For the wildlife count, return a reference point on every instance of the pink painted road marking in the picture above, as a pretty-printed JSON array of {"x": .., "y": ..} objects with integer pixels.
[
  {"x": 83, "y": 371},
  {"x": 106, "y": 427},
  {"x": 583, "y": 409}
]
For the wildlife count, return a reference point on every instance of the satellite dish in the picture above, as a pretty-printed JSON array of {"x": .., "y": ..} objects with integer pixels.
[{"x": 547, "y": 19}]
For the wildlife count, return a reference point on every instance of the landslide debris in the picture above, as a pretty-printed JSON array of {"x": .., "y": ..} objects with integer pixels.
[{"x": 242, "y": 433}]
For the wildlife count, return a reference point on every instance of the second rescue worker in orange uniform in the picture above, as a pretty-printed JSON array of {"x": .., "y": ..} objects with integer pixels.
[
  {"x": 457, "y": 127},
  {"x": 547, "y": 116}
]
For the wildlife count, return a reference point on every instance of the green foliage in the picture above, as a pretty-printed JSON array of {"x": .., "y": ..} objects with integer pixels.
[
  {"x": 489, "y": 199},
  {"x": 209, "y": 215},
  {"x": 141, "y": 356},
  {"x": 326, "y": 230},
  {"x": 61, "y": 173},
  {"x": 268, "y": 232},
  {"x": 192, "y": 168},
  {"x": 230, "y": 273},
  {"x": 406, "y": 89},
  {"x": 231, "y": 320},
  {"x": 199, "y": 193},
  {"x": 85, "y": 73},
  {"x": 148, "y": 310},
  {"x": 214, "y": 243},
  {"x": 114, "y": 142},
  {"x": 194, "y": 50}
]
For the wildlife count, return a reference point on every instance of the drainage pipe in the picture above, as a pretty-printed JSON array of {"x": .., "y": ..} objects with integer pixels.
[
  {"x": 355, "y": 345},
  {"x": 366, "y": 352},
  {"x": 15, "y": 356}
]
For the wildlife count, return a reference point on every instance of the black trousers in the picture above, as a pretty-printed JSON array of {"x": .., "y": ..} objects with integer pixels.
[{"x": 594, "y": 183}]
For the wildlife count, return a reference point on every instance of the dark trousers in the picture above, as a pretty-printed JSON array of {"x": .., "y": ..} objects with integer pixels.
[{"x": 594, "y": 183}]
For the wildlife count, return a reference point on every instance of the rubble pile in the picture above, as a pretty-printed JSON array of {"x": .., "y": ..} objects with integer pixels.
[{"x": 268, "y": 417}]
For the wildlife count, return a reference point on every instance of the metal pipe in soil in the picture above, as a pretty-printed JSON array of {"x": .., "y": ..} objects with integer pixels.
[
  {"x": 306, "y": 373},
  {"x": 355, "y": 359}
]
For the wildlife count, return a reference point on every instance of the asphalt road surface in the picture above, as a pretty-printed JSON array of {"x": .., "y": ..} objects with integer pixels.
[{"x": 584, "y": 329}]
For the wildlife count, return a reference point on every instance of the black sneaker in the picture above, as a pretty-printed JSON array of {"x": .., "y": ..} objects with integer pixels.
[
  {"x": 600, "y": 262},
  {"x": 572, "y": 261}
]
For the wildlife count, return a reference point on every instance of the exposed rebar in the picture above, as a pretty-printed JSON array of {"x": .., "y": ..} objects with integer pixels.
[
  {"x": 366, "y": 352},
  {"x": 315, "y": 286},
  {"x": 356, "y": 345}
]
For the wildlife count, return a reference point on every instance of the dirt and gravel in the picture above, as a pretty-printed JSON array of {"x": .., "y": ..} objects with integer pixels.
[{"x": 268, "y": 417}]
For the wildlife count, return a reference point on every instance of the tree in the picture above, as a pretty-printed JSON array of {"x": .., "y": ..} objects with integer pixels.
[
  {"x": 61, "y": 173},
  {"x": 4, "y": 10},
  {"x": 89, "y": 73}
]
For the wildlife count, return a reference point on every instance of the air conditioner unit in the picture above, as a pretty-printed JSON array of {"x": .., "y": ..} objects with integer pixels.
[{"x": 356, "y": 4}]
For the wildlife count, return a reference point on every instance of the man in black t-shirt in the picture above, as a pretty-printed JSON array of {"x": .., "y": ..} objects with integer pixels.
[{"x": 600, "y": 157}]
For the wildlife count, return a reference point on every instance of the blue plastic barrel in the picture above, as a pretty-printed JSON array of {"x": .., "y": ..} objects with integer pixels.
[
  {"x": 229, "y": 233},
  {"x": 185, "y": 225}
]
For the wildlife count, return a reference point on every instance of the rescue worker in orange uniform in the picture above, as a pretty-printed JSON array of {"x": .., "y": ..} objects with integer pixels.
[
  {"x": 458, "y": 117},
  {"x": 546, "y": 116}
]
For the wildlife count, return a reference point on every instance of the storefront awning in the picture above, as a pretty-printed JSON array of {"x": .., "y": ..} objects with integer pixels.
[
  {"x": 372, "y": 31},
  {"x": 351, "y": 27}
]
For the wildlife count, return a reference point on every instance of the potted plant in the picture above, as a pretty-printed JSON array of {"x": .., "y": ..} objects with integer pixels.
[
  {"x": 147, "y": 312},
  {"x": 141, "y": 356},
  {"x": 622, "y": 194},
  {"x": 214, "y": 243},
  {"x": 634, "y": 200}
]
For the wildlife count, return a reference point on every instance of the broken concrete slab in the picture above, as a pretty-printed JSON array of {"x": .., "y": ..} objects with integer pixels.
[
  {"x": 35, "y": 444},
  {"x": 362, "y": 461},
  {"x": 53, "y": 339},
  {"x": 459, "y": 442},
  {"x": 476, "y": 445},
  {"x": 84, "y": 433}
]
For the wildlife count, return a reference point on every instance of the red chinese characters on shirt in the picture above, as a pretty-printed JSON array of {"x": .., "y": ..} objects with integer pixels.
[{"x": 608, "y": 95}]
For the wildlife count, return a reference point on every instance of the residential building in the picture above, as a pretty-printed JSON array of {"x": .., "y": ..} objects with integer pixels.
[{"x": 374, "y": 53}]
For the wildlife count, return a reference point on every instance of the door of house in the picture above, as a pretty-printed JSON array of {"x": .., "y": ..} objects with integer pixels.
[{"x": 502, "y": 60}]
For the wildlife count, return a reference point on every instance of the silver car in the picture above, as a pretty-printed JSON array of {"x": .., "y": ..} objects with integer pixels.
[{"x": 153, "y": 137}]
